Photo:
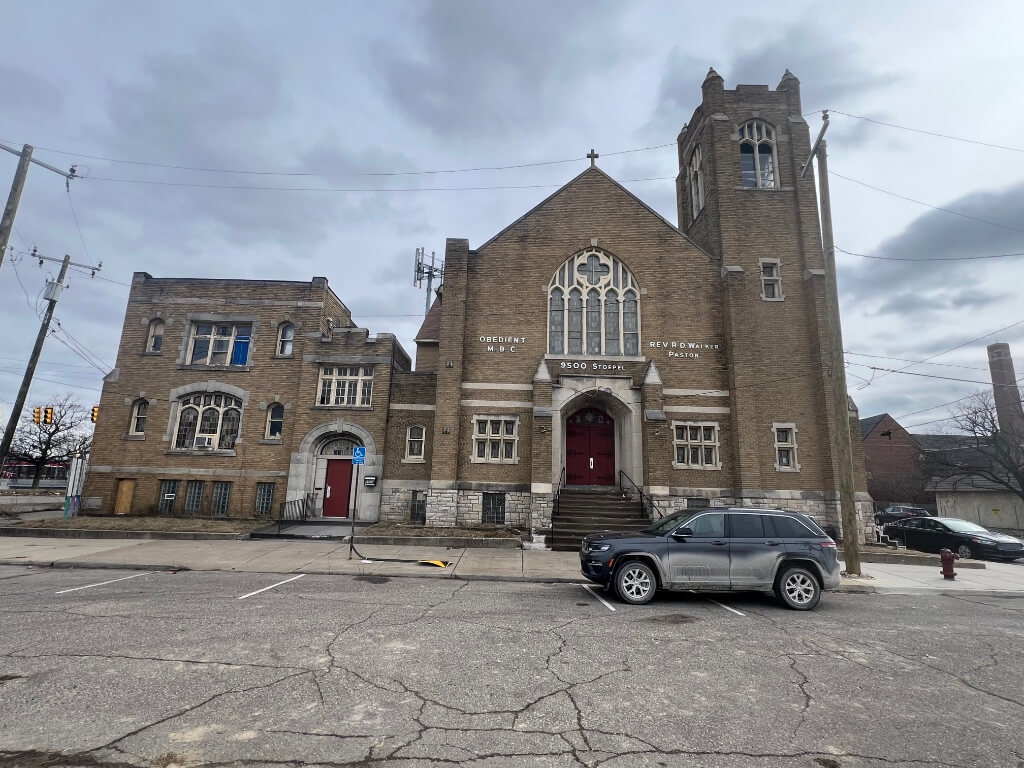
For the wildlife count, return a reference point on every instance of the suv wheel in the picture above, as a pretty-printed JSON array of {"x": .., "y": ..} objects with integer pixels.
[
  {"x": 798, "y": 588},
  {"x": 635, "y": 583}
]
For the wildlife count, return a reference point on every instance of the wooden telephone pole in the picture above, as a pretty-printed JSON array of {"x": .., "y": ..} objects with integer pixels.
[
  {"x": 53, "y": 291},
  {"x": 840, "y": 398},
  {"x": 17, "y": 186}
]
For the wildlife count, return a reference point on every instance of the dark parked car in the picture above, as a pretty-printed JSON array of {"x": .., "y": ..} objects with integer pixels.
[
  {"x": 892, "y": 514},
  {"x": 765, "y": 550},
  {"x": 967, "y": 539}
]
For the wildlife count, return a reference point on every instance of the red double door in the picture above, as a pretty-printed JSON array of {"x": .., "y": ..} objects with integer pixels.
[
  {"x": 338, "y": 488},
  {"x": 590, "y": 448}
]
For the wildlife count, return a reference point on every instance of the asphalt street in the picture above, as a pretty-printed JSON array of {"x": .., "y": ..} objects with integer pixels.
[{"x": 111, "y": 669}]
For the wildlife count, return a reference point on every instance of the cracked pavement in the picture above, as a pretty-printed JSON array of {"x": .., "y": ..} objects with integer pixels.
[{"x": 172, "y": 669}]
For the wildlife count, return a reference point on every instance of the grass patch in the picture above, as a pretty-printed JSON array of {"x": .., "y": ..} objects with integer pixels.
[
  {"x": 403, "y": 529},
  {"x": 144, "y": 523}
]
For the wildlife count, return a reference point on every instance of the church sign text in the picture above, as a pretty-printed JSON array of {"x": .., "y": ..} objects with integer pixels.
[
  {"x": 502, "y": 343},
  {"x": 685, "y": 349}
]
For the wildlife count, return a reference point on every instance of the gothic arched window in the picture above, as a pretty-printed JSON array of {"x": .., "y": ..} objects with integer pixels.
[
  {"x": 757, "y": 155},
  {"x": 695, "y": 175},
  {"x": 210, "y": 420},
  {"x": 593, "y": 307}
]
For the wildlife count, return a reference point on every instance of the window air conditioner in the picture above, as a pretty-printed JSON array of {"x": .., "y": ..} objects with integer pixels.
[{"x": 204, "y": 442}]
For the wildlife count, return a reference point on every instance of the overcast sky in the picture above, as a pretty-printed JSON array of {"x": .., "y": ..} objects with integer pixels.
[{"x": 337, "y": 89}]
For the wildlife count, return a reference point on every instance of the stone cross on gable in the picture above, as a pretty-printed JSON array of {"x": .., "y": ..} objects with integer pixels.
[
  {"x": 593, "y": 270},
  {"x": 592, "y": 156}
]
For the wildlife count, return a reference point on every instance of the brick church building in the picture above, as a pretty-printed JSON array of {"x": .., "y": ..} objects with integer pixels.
[{"x": 688, "y": 361}]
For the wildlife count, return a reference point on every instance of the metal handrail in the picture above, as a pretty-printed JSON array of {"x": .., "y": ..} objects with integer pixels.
[
  {"x": 296, "y": 510},
  {"x": 647, "y": 503},
  {"x": 558, "y": 492}
]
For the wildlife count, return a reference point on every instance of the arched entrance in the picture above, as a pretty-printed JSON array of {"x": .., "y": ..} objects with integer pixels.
[
  {"x": 334, "y": 476},
  {"x": 590, "y": 448}
]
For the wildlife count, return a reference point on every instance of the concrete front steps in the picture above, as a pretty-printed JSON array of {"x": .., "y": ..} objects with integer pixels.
[{"x": 583, "y": 511}]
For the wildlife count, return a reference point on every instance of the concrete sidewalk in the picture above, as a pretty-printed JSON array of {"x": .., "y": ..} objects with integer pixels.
[{"x": 275, "y": 556}]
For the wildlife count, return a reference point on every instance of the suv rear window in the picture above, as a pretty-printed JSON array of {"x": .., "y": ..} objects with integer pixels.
[
  {"x": 746, "y": 526},
  {"x": 794, "y": 528}
]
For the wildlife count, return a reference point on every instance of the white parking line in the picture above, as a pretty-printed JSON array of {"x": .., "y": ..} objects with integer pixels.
[
  {"x": 100, "y": 584},
  {"x": 607, "y": 605},
  {"x": 723, "y": 605},
  {"x": 293, "y": 578}
]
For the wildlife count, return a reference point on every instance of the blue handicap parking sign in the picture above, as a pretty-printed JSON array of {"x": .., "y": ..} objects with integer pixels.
[{"x": 358, "y": 454}]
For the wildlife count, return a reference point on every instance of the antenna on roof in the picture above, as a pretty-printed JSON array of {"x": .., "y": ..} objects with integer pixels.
[{"x": 424, "y": 271}]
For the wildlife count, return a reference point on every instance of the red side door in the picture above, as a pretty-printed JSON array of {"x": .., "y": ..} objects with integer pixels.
[{"x": 337, "y": 488}]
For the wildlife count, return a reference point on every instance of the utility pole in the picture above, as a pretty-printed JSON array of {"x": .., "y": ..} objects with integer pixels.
[
  {"x": 840, "y": 398},
  {"x": 11, "y": 210},
  {"x": 7, "y": 223},
  {"x": 53, "y": 291}
]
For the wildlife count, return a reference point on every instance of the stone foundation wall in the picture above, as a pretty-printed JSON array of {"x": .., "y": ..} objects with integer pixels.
[
  {"x": 395, "y": 504},
  {"x": 442, "y": 508},
  {"x": 465, "y": 508}
]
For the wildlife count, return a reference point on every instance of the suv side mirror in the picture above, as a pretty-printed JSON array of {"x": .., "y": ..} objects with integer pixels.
[{"x": 682, "y": 533}]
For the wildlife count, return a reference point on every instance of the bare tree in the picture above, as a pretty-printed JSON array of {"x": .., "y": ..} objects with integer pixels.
[
  {"x": 984, "y": 450},
  {"x": 67, "y": 436}
]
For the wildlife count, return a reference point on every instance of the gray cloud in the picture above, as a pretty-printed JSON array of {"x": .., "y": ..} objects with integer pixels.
[
  {"x": 27, "y": 92},
  {"x": 486, "y": 69},
  {"x": 827, "y": 79},
  {"x": 938, "y": 235},
  {"x": 833, "y": 69}
]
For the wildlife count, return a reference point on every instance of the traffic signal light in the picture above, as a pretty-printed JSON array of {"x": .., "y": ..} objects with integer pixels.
[
  {"x": 48, "y": 415},
  {"x": 95, "y": 413},
  {"x": 37, "y": 415}
]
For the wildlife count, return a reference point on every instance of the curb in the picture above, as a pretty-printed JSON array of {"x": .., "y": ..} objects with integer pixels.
[
  {"x": 451, "y": 542},
  {"x": 100, "y": 533},
  {"x": 884, "y": 558},
  {"x": 863, "y": 589}
]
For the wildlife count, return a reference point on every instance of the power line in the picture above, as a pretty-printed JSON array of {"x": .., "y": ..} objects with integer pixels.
[
  {"x": 953, "y": 349},
  {"x": 91, "y": 357},
  {"x": 926, "y": 205},
  {"x": 942, "y": 405},
  {"x": 931, "y": 375},
  {"x": 53, "y": 381},
  {"x": 928, "y": 258},
  {"x": 927, "y": 133},
  {"x": 74, "y": 215},
  {"x": 342, "y": 174},
  {"x": 917, "y": 362},
  {"x": 265, "y": 188}
]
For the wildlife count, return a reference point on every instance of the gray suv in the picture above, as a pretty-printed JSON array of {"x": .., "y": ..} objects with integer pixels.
[{"x": 766, "y": 550}]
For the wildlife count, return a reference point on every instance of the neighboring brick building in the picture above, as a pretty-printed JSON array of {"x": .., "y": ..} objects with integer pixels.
[
  {"x": 590, "y": 343},
  {"x": 896, "y": 470},
  {"x": 228, "y": 392}
]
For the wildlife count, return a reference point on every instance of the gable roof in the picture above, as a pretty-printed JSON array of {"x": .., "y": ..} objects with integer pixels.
[
  {"x": 868, "y": 425},
  {"x": 430, "y": 330},
  {"x": 571, "y": 182}
]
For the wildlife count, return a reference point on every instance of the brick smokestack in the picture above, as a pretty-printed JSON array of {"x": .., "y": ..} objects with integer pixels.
[{"x": 1005, "y": 390}]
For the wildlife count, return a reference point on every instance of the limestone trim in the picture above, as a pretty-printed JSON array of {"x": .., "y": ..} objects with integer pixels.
[
  {"x": 496, "y": 403},
  {"x": 495, "y": 385},
  {"x": 697, "y": 409},
  {"x": 696, "y": 392},
  {"x": 412, "y": 407},
  {"x": 188, "y": 471}
]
